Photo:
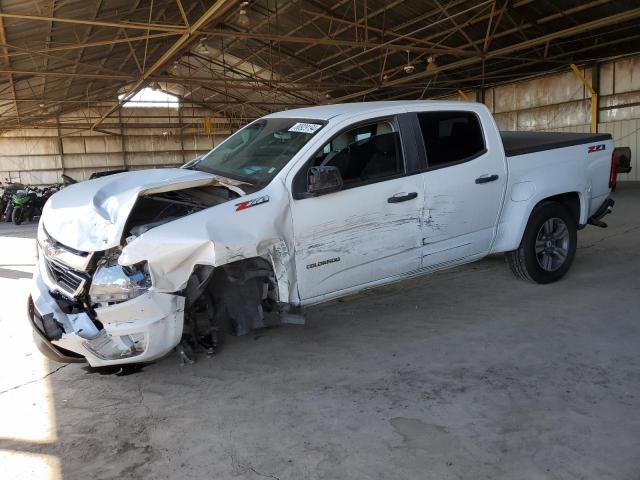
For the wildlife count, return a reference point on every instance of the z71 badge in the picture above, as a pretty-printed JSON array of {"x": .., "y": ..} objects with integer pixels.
[
  {"x": 251, "y": 203},
  {"x": 596, "y": 148}
]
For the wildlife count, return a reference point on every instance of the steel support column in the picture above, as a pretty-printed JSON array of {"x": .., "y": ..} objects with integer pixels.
[{"x": 594, "y": 98}]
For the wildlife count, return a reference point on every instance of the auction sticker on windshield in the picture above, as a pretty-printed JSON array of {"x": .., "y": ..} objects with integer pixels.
[{"x": 305, "y": 127}]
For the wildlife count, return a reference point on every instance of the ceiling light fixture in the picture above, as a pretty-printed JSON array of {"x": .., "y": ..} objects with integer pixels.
[
  {"x": 431, "y": 63},
  {"x": 203, "y": 46},
  {"x": 243, "y": 18},
  {"x": 408, "y": 68}
]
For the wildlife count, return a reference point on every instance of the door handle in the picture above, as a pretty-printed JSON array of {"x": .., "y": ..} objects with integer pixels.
[
  {"x": 486, "y": 178},
  {"x": 402, "y": 197}
]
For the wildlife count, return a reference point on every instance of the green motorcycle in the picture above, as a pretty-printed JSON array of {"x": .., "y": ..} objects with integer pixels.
[{"x": 26, "y": 205}]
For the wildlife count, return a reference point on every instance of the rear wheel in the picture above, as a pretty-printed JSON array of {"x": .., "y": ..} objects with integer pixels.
[
  {"x": 16, "y": 216},
  {"x": 548, "y": 245}
]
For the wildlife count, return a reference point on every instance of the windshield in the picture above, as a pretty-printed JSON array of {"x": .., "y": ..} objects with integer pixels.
[{"x": 259, "y": 151}]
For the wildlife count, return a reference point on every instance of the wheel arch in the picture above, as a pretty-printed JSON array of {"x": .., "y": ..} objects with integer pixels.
[
  {"x": 515, "y": 217},
  {"x": 202, "y": 276},
  {"x": 571, "y": 200}
]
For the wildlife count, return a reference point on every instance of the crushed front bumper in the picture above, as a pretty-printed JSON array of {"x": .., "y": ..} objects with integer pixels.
[{"x": 138, "y": 330}]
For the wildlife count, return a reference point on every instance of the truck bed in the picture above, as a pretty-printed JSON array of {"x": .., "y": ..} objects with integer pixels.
[{"x": 520, "y": 143}]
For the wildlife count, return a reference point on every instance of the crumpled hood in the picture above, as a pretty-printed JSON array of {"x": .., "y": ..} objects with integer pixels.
[{"x": 91, "y": 216}]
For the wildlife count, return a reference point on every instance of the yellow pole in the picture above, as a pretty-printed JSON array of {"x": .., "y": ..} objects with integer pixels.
[
  {"x": 463, "y": 95},
  {"x": 594, "y": 98}
]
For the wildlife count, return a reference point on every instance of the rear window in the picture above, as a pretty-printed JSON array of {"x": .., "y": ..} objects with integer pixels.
[{"x": 451, "y": 137}]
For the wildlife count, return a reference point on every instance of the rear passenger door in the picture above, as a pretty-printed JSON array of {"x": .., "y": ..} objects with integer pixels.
[
  {"x": 369, "y": 230},
  {"x": 464, "y": 187}
]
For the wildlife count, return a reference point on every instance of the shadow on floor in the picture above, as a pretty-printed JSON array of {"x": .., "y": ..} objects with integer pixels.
[{"x": 15, "y": 274}]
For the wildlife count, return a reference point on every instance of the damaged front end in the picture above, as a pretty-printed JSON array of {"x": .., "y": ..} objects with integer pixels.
[
  {"x": 109, "y": 307},
  {"x": 87, "y": 305}
]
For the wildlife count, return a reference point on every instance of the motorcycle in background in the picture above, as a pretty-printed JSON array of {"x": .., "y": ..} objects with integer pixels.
[
  {"x": 28, "y": 203},
  {"x": 19, "y": 202},
  {"x": 6, "y": 205},
  {"x": 24, "y": 205}
]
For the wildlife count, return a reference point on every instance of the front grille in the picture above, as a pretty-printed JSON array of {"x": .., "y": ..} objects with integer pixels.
[
  {"x": 69, "y": 281},
  {"x": 55, "y": 251}
]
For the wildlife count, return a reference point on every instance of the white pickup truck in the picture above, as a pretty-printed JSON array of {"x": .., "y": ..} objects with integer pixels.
[{"x": 300, "y": 207}]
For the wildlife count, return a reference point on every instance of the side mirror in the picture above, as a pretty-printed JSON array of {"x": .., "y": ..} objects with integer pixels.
[{"x": 323, "y": 179}]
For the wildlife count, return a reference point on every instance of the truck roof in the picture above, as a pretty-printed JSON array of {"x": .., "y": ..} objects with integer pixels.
[{"x": 326, "y": 112}]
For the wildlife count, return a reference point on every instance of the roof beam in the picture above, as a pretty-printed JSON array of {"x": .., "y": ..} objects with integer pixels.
[
  {"x": 99, "y": 43},
  {"x": 87, "y": 36},
  {"x": 568, "y": 32},
  {"x": 290, "y": 32},
  {"x": 351, "y": 24},
  {"x": 393, "y": 32},
  {"x": 219, "y": 81},
  {"x": 162, "y": 27},
  {"x": 112, "y": 47},
  {"x": 388, "y": 43},
  {"x": 109, "y": 101},
  {"x": 330, "y": 41},
  {"x": 220, "y": 6},
  {"x": 528, "y": 62},
  {"x": 52, "y": 10},
  {"x": 185, "y": 19},
  {"x": 5, "y": 56},
  {"x": 473, "y": 20},
  {"x": 443, "y": 34}
]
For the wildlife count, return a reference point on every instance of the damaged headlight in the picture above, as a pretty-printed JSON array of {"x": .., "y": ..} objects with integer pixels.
[{"x": 114, "y": 283}]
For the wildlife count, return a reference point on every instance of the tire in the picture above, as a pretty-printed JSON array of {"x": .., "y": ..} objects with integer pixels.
[
  {"x": 16, "y": 216},
  {"x": 9, "y": 214},
  {"x": 201, "y": 330},
  {"x": 548, "y": 245}
]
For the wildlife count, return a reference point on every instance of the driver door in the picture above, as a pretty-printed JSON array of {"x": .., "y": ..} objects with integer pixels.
[{"x": 370, "y": 230}]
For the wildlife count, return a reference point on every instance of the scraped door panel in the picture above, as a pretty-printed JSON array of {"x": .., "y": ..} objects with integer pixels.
[
  {"x": 464, "y": 186},
  {"x": 460, "y": 216},
  {"x": 356, "y": 236}
]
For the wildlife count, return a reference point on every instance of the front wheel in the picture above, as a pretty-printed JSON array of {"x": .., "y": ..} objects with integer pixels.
[
  {"x": 16, "y": 216},
  {"x": 548, "y": 245}
]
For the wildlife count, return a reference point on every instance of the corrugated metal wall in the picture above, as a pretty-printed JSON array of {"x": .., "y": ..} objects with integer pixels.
[
  {"x": 144, "y": 138},
  {"x": 561, "y": 102},
  {"x": 158, "y": 137}
]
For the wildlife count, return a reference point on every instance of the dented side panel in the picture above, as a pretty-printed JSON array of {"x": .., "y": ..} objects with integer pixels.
[{"x": 356, "y": 236}]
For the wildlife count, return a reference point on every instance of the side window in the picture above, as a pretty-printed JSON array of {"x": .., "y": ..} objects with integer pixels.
[
  {"x": 364, "y": 153},
  {"x": 450, "y": 137}
]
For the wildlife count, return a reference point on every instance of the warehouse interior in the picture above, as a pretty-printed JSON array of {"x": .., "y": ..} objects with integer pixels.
[
  {"x": 390, "y": 383},
  {"x": 69, "y": 67}
]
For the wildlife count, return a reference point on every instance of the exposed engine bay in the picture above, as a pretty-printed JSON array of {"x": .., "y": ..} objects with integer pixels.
[{"x": 157, "y": 209}]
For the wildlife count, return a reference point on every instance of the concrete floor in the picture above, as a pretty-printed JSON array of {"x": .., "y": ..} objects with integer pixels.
[{"x": 467, "y": 373}]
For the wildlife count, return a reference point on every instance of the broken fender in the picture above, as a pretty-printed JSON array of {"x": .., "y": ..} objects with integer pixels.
[{"x": 217, "y": 236}]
